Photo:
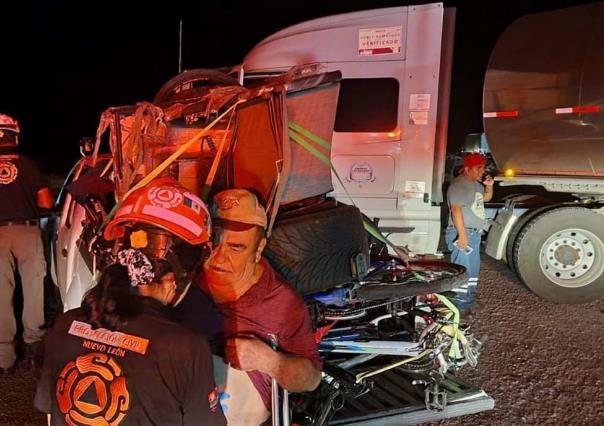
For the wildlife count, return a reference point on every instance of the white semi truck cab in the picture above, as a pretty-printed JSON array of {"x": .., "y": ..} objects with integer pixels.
[{"x": 389, "y": 139}]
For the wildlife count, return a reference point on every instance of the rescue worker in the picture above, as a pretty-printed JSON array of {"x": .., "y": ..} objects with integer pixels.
[
  {"x": 119, "y": 360},
  {"x": 23, "y": 190},
  {"x": 168, "y": 223},
  {"x": 467, "y": 222},
  {"x": 257, "y": 307},
  {"x": 122, "y": 360}
]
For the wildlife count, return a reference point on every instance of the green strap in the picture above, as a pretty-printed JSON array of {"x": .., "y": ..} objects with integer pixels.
[
  {"x": 309, "y": 135},
  {"x": 298, "y": 134},
  {"x": 375, "y": 233},
  {"x": 314, "y": 151},
  {"x": 307, "y": 146}
]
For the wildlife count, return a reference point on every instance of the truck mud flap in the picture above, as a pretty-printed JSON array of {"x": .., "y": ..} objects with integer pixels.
[{"x": 394, "y": 400}]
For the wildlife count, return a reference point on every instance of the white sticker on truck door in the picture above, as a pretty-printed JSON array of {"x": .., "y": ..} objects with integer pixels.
[
  {"x": 415, "y": 189},
  {"x": 380, "y": 41},
  {"x": 419, "y": 105},
  {"x": 418, "y": 118},
  {"x": 419, "y": 102}
]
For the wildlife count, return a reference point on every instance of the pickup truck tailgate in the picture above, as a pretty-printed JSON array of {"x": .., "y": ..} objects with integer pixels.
[{"x": 394, "y": 400}]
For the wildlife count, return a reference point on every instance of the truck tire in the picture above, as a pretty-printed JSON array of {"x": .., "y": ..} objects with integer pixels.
[
  {"x": 518, "y": 227},
  {"x": 560, "y": 255},
  {"x": 313, "y": 251}
]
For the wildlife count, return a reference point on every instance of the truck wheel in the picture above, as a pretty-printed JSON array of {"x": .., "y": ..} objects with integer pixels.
[
  {"x": 518, "y": 227},
  {"x": 560, "y": 255}
]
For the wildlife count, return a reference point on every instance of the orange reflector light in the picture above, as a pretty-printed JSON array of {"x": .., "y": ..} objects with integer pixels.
[
  {"x": 138, "y": 239},
  {"x": 509, "y": 173}
]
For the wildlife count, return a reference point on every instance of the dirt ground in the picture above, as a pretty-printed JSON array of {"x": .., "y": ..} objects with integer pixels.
[{"x": 542, "y": 364}]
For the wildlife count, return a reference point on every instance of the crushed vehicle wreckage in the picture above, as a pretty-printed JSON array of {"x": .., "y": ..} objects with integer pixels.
[{"x": 389, "y": 338}]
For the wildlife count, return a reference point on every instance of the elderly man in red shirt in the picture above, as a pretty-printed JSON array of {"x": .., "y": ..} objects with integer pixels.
[{"x": 256, "y": 305}]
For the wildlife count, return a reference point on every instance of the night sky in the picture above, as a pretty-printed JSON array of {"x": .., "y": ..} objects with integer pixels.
[{"x": 63, "y": 63}]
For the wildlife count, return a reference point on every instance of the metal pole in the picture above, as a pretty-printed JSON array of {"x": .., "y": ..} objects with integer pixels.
[
  {"x": 180, "y": 47},
  {"x": 285, "y": 407},
  {"x": 274, "y": 387}
]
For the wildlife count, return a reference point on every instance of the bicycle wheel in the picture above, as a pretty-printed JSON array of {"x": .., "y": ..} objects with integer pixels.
[{"x": 421, "y": 277}]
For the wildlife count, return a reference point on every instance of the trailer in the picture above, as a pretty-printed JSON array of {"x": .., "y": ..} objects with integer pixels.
[{"x": 543, "y": 122}]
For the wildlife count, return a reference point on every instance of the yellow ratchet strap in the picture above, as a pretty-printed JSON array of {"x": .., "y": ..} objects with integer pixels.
[
  {"x": 454, "y": 351},
  {"x": 366, "y": 374}
]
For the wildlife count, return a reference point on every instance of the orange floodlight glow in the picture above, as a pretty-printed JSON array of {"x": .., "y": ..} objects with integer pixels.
[{"x": 509, "y": 173}]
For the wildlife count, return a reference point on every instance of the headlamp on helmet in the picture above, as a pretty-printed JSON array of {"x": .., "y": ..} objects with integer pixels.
[{"x": 166, "y": 224}]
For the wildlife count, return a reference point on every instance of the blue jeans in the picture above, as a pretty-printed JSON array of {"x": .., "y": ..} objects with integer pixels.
[{"x": 465, "y": 296}]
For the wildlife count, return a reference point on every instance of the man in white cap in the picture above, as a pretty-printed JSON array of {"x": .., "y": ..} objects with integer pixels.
[{"x": 257, "y": 307}]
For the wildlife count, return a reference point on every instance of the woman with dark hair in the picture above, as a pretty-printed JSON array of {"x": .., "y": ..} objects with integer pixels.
[
  {"x": 119, "y": 360},
  {"x": 113, "y": 301}
]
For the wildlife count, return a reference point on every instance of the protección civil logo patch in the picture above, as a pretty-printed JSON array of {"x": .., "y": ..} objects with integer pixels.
[
  {"x": 8, "y": 172},
  {"x": 92, "y": 391}
]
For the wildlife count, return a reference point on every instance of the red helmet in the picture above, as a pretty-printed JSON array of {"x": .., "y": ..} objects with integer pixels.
[{"x": 166, "y": 204}]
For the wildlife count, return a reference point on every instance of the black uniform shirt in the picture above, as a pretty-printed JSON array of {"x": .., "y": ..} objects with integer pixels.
[
  {"x": 20, "y": 181},
  {"x": 152, "y": 372},
  {"x": 198, "y": 312}
]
